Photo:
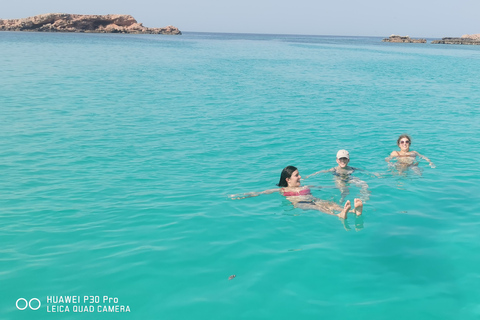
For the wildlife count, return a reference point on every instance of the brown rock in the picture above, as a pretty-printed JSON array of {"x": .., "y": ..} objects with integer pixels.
[
  {"x": 64, "y": 22},
  {"x": 472, "y": 36},
  {"x": 406, "y": 39},
  {"x": 465, "y": 39}
]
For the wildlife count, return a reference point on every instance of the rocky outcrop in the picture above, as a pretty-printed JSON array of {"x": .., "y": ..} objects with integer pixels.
[
  {"x": 63, "y": 22},
  {"x": 472, "y": 36},
  {"x": 406, "y": 39},
  {"x": 465, "y": 39}
]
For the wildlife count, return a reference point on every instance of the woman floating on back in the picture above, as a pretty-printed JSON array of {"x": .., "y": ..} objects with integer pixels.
[
  {"x": 406, "y": 158},
  {"x": 302, "y": 198}
]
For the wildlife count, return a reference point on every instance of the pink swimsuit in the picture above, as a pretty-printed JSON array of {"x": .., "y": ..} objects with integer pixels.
[{"x": 302, "y": 192}]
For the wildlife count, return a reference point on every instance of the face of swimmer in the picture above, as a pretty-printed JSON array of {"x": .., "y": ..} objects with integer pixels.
[
  {"x": 404, "y": 144},
  {"x": 294, "y": 180},
  {"x": 343, "y": 162}
]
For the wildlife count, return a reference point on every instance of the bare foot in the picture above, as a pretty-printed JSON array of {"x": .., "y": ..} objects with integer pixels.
[
  {"x": 343, "y": 214},
  {"x": 358, "y": 206}
]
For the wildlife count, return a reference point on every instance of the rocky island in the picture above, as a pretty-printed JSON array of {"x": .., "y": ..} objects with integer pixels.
[
  {"x": 64, "y": 22},
  {"x": 465, "y": 39},
  {"x": 406, "y": 39}
]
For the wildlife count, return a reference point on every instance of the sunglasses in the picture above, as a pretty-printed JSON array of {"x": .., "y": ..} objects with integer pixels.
[{"x": 405, "y": 142}]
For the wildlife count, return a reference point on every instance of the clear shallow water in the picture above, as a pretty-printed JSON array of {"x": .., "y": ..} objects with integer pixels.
[{"x": 119, "y": 151}]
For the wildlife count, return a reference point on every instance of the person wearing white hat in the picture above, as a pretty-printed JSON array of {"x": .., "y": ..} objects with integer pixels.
[
  {"x": 343, "y": 158},
  {"x": 343, "y": 176}
]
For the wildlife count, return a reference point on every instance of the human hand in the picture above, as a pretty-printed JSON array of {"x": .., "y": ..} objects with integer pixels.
[
  {"x": 243, "y": 195},
  {"x": 237, "y": 196},
  {"x": 432, "y": 165}
]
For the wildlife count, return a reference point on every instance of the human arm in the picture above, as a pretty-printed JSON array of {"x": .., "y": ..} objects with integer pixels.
[
  {"x": 391, "y": 156},
  {"x": 371, "y": 174},
  {"x": 321, "y": 171},
  {"x": 432, "y": 165},
  {"x": 252, "y": 194}
]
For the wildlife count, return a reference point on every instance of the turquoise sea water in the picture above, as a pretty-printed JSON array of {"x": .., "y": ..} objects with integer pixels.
[{"x": 118, "y": 153}]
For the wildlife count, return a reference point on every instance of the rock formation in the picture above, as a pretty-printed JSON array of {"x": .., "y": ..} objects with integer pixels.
[
  {"x": 472, "y": 36},
  {"x": 406, "y": 39},
  {"x": 465, "y": 39},
  {"x": 63, "y": 22}
]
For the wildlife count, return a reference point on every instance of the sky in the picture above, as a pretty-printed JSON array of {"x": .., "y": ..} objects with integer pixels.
[{"x": 415, "y": 18}]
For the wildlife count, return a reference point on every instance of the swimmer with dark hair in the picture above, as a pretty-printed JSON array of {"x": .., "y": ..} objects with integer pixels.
[{"x": 301, "y": 197}]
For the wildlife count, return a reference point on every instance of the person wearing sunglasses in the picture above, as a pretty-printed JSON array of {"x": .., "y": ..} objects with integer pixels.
[{"x": 406, "y": 158}]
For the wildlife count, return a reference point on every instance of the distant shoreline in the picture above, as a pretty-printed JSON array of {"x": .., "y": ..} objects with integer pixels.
[{"x": 464, "y": 40}]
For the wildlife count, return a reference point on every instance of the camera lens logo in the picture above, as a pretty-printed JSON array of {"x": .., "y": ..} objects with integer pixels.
[{"x": 22, "y": 304}]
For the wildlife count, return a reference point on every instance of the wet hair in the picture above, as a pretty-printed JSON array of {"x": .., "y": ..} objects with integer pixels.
[
  {"x": 286, "y": 173},
  {"x": 404, "y": 136}
]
